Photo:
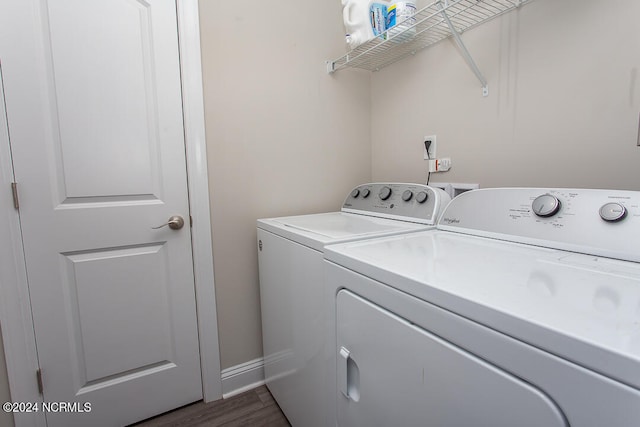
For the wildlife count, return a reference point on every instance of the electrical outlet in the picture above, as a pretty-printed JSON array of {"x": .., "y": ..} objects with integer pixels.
[
  {"x": 439, "y": 165},
  {"x": 444, "y": 164},
  {"x": 432, "y": 148}
]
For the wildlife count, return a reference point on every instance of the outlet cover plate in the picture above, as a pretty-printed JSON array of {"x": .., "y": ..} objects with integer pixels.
[{"x": 432, "y": 147}]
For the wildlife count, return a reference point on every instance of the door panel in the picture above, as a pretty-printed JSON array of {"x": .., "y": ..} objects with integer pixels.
[
  {"x": 90, "y": 103},
  {"x": 106, "y": 105},
  {"x": 135, "y": 281},
  {"x": 390, "y": 372},
  {"x": 94, "y": 110}
]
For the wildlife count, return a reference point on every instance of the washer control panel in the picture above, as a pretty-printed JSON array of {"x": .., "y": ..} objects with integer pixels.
[
  {"x": 408, "y": 202},
  {"x": 598, "y": 222}
]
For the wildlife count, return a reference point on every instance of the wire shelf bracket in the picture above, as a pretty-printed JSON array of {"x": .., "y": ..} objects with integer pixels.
[{"x": 464, "y": 51}]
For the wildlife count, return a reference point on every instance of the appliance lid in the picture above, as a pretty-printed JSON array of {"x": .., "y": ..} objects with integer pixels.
[
  {"x": 337, "y": 225},
  {"x": 317, "y": 230},
  {"x": 583, "y": 308}
]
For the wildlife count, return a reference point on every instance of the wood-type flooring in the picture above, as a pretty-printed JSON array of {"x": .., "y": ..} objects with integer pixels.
[{"x": 252, "y": 408}]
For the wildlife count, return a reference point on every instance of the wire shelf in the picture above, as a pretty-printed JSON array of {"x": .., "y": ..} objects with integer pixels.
[{"x": 430, "y": 27}]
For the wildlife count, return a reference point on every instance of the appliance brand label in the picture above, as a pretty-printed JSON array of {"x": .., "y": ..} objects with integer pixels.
[{"x": 451, "y": 220}]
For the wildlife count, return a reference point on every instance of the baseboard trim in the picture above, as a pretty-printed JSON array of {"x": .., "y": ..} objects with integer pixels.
[{"x": 240, "y": 378}]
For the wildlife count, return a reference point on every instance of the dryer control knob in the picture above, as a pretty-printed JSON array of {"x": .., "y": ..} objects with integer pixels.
[
  {"x": 421, "y": 197},
  {"x": 365, "y": 193},
  {"x": 546, "y": 205},
  {"x": 355, "y": 193},
  {"x": 384, "y": 193},
  {"x": 612, "y": 212},
  {"x": 407, "y": 195}
]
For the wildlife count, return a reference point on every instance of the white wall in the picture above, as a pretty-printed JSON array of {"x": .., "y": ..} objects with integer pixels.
[
  {"x": 562, "y": 110},
  {"x": 283, "y": 137}
]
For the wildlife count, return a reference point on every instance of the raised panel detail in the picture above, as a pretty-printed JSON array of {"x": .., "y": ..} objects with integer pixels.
[
  {"x": 105, "y": 98},
  {"x": 122, "y": 315}
]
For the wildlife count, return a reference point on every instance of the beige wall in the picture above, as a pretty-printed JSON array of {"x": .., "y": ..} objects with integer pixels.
[
  {"x": 283, "y": 137},
  {"x": 562, "y": 110},
  {"x": 6, "y": 420}
]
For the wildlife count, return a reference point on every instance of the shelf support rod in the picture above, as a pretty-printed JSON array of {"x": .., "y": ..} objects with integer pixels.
[{"x": 465, "y": 53}]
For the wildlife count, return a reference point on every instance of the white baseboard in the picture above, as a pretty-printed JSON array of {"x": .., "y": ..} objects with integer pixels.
[{"x": 242, "y": 377}]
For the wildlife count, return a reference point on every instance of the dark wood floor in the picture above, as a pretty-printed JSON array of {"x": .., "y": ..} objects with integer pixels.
[{"x": 252, "y": 408}]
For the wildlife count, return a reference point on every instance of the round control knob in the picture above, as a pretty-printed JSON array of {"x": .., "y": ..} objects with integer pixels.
[
  {"x": 546, "y": 205},
  {"x": 365, "y": 193},
  {"x": 421, "y": 197},
  {"x": 384, "y": 193},
  {"x": 407, "y": 195},
  {"x": 355, "y": 193},
  {"x": 612, "y": 212}
]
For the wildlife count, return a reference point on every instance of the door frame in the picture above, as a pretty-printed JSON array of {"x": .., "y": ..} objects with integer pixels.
[
  {"x": 15, "y": 306},
  {"x": 199, "y": 196}
]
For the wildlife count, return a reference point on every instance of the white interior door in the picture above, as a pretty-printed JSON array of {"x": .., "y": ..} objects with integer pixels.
[{"x": 95, "y": 120}]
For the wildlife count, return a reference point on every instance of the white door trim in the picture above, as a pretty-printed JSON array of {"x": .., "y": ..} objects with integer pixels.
[
  {"x": 195, "y": 141},
  {"x": 15, "y": 306}
]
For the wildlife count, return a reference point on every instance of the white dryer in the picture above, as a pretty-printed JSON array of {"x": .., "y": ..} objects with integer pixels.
[
  {"x": 290, "y": 255},
  {"x": 521, "y": 309}
]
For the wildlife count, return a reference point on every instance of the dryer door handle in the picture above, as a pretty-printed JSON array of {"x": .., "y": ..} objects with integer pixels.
[
  {"x": 342, "y": 371},
  {"x": 348, "y": 375}
]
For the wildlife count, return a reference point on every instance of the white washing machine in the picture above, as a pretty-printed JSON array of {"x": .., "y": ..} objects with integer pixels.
[
  {"x": 521, "y": 309},
  {"x": 290, "y": 255}
]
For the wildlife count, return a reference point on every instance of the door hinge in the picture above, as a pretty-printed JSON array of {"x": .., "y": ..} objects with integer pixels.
[
  {"x": 190, "y": 221},
  {"x": 14, "y": 191},
  {"x": 39, "y": 379}
]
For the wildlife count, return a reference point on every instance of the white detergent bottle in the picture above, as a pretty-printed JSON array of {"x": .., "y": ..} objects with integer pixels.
[
  {"x": 360, "y": 18},
  {"x": 401, "y": 21}
]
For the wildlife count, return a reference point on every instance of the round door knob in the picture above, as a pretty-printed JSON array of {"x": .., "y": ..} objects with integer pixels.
[
  {"x": 176, "y": 222},
  {"x": 612, "y": 212},
  {"x": 421, "y": 197},
  {"x": 407, "y": 195},
  {"x": 365, "y": 193},
  {"x": 546, "y": 205},
  {"x": 355, "y": 193},
  {"x": 384, "y": 193}
]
